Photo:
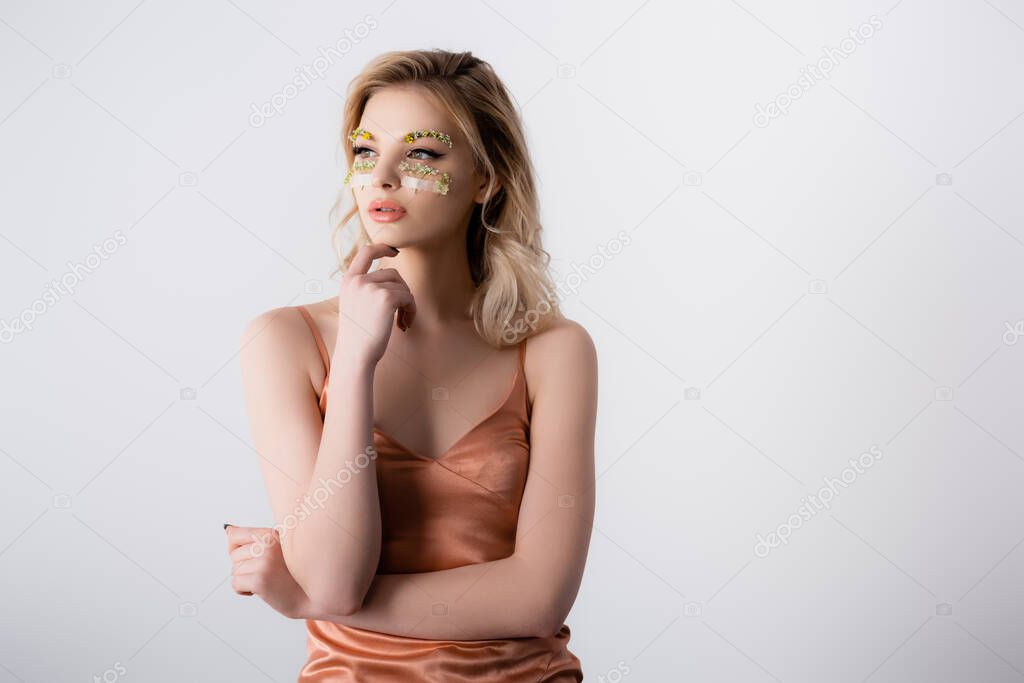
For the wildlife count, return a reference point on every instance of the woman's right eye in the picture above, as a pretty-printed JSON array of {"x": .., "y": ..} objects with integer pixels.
[{"x": 358, "y": 151}]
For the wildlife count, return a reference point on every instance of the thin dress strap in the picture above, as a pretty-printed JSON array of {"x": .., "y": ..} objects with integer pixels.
[
  {"x": 324, "y": 356},
  {"x": 522, "y": 373}
]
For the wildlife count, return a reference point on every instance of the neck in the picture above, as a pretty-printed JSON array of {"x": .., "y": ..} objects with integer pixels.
[{"x": 439, "y": 277}]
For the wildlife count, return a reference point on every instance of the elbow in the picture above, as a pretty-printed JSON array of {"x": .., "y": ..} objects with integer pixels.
[
  {"x": 328, "y": 593},
  {"x": 548, "y": 622},
  {"x": 336, "y": 600},
  {"x": 547, "y": 628},
  {"x": 345, "y": 608},
  {"x": 344, "y": 597}
]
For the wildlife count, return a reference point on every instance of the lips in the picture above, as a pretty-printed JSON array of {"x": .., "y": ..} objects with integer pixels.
[
  {"x": 385, "y": 210},
  {"x": 385, "y": 205}
]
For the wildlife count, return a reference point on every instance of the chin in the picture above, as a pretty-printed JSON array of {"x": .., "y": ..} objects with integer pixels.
[{"x": 388, "y": 233}]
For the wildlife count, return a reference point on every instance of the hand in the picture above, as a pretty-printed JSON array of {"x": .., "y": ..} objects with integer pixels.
[
  {"x": 258, "y": 568},
  {"x": 367, "y": 304}
]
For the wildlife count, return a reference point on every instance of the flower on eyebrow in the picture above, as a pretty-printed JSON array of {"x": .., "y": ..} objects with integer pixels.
[
  {"x": 360, "y": 133},
  {"x": 414, "y": 135}
]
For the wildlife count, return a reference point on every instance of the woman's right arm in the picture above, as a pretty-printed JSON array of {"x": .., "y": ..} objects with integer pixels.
[{"x": 321, "y": 475}]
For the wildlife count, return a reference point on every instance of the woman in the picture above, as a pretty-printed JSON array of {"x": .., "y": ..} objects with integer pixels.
[{"x": 433, "y": 487}]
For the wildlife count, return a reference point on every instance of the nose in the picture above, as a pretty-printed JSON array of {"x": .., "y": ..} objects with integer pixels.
[{"x": 385, "y": 176}]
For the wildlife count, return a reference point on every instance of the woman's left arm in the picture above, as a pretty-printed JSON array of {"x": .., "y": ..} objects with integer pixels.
[{"x": 530, "y": 592}]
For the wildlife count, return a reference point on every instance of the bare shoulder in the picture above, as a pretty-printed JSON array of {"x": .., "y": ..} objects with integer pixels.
[
  {"x": 271, "y": 328},
  {"x": 278, "y": 337},
  {"x": 562, "y": 353}
]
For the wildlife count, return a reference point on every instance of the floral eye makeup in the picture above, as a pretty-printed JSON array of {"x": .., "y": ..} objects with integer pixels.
[
  {"x": 415, "y": 177},
  {"x": 414, "y": 135},
  {"x": 359, "y": 174},
  {"x": 360, "y": 134},
  {"x": 415, "y": 173}
]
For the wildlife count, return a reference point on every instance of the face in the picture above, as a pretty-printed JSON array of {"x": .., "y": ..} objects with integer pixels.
[{"x": 409, "y": 158}]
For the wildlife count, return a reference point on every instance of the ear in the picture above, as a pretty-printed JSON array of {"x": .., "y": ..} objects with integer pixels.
[{"x": 481, "y": 193}]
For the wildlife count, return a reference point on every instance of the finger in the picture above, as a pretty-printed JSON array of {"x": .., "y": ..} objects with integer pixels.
[
  {"x": 234, "y": 531},
  {"x": 247, "y": 566},
  {"x": 399, "y": 299},
  {"x": 365, "y": 256},
  {"x": 386, "y": 275},
  {"x": 241, "y": 535},
  {"x": 397, "y": 286},
  {"x": 247, "y": 552},
  {"x": 405, "y": 312},
  {"x": 392, "y": 276},
  {"x": 244, "y": 584},
  {"x": 405, "y": 307}
]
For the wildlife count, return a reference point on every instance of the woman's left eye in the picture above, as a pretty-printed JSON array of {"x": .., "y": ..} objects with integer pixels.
[{"x": 429, "y": 154}]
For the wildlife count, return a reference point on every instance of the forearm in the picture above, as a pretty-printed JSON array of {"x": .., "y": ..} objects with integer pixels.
[
  {"x": 499, "y": 599},
  {"x": 334, "y": 549}
]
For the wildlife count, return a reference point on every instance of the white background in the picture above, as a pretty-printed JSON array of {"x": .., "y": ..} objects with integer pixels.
[{"x": 817, "y": 284}]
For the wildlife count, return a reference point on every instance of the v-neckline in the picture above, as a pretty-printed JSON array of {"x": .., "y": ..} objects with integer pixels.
[
  {"x": 412, "y": 451},
  {"x": 472, "y": 430}
]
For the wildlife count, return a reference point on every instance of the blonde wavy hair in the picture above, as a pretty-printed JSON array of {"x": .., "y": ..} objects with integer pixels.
[{"x": 514, "y": 292}]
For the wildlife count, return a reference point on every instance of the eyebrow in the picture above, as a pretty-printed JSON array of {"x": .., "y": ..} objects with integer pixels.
[
  {"x": 413, "y": 135},
  {"x": 360, "y": 133},
  {"x": 410, "y": 137}
]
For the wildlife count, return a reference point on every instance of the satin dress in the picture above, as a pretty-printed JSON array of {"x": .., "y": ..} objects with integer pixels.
[{"x": 456, "y": 509}]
